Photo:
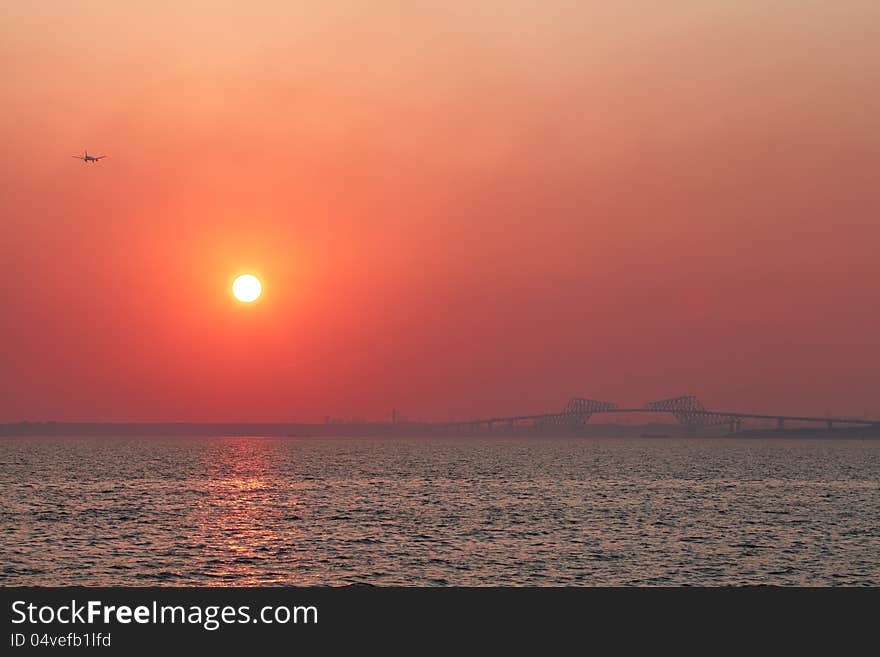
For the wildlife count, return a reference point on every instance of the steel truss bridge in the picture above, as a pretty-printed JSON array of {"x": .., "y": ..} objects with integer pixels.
[{"x": 687, "y": 410}]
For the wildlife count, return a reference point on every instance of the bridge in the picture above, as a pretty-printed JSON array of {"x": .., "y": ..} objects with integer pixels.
[{"x": 688, "y": 411}]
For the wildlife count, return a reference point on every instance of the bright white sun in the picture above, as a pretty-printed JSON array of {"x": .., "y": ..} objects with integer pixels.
[{"x": 247, "y": 288}]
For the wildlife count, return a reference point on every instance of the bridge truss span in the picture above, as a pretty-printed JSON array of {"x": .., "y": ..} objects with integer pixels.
[
  {"x": 688, "y": 410},
  {"x": 581, "y": 409}
]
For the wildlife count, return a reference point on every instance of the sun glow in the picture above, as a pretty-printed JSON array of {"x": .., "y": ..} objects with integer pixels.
[{"x": 247, "y": 288}]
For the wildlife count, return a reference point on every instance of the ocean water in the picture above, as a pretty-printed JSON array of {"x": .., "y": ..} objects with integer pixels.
[{"x": 448, "y": 511}]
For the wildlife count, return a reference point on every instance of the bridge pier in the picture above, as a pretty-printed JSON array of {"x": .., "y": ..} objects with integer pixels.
[{"x": 780, "y": 423}]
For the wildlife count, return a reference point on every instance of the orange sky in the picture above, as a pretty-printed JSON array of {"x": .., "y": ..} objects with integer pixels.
[{"x": 458, "y": 209}]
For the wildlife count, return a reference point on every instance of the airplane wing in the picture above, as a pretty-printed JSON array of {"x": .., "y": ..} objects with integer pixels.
[
  {"x": 100, "y": 157},
  {"x": 78, "y": 157}
]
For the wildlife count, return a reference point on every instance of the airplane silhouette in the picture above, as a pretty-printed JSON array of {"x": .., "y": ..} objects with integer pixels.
[{"x": 89, "y": 158}]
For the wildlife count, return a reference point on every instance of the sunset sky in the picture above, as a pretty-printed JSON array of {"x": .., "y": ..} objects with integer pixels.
[{"x": 455, "y": 208}]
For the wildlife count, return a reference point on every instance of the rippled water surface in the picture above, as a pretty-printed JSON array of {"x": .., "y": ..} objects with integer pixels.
[{"x": 494, "y": 511}]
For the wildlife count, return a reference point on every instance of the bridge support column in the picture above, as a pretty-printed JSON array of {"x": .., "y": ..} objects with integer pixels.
[
  {"x": 780, "y": 423},
  {"x": 830, "y": 424}
]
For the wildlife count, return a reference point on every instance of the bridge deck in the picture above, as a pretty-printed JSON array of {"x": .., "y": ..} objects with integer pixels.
[{"x": 707, "y": 412}]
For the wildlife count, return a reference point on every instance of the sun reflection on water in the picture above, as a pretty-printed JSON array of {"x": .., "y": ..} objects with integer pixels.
[{"x": 243, "y": 514}]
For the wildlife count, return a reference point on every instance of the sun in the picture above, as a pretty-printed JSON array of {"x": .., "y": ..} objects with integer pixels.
[{"x": 247, "y": 288}]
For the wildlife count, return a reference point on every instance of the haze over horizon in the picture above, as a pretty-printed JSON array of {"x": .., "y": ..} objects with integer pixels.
[{"x": 455, "y": 209}]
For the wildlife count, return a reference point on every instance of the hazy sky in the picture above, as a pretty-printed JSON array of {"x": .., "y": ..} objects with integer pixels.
[{"x": 456, "y": 208}]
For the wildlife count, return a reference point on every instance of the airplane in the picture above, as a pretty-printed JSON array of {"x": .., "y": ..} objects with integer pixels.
[{"x": 89, "y": 158}]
